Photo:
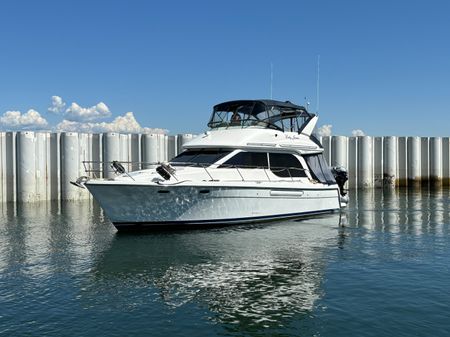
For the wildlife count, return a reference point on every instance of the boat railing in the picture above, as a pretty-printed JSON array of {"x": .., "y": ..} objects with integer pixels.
[{"x": 97, "y": 169}]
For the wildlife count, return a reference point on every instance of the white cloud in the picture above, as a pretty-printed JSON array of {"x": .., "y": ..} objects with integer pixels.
[
  {"x": 325, "y": 130},
  {"x": 58, "y": 105},
  {"x": 122, "y": 124},
  {"x": 75, "y": 118},
  {"x": 77, "y": 113},
  {"x": 15, "y": 120},
  {"x": 358, "y": 133}
]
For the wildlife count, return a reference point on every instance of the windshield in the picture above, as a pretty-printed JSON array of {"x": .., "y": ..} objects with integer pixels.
[
  {"x": 239, "y": 114},
  {"x": 255, "y": 113}
]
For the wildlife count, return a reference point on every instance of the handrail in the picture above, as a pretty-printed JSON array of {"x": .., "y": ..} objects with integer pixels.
[
  {"x": 94, "y": 167},
  {"x": 189, "y": 164}
]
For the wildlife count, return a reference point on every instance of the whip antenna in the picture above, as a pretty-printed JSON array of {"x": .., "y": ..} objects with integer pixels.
[
  {"x": 318, "y": 85},
  {"x": 271, "y": 80}
]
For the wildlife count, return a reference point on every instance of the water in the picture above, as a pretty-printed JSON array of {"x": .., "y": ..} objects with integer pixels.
[{"x": 379, "y": 269}]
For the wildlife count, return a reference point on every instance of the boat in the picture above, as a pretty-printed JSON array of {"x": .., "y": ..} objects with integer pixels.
[{"x": 258, "y": 161}]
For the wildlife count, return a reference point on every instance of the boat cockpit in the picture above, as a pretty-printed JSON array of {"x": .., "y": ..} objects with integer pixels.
[{"x": 282, "y": 116}]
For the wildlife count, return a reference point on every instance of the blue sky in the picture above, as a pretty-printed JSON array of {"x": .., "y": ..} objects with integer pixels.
[{"x": 384, "y": 65}]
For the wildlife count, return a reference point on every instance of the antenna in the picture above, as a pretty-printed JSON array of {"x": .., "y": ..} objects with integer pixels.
[
  {"x": 271, "y": 80},
  {"x": 318, "y": 84}
]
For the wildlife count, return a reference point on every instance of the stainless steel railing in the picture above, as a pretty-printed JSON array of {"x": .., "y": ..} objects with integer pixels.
[{"x": 97, "y": 169}]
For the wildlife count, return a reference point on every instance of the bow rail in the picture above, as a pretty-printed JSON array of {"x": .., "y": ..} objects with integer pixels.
[{"x": 99, "y": 169}]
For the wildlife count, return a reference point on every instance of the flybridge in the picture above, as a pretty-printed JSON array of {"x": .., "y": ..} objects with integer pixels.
[{"x": 282, "y": 116}]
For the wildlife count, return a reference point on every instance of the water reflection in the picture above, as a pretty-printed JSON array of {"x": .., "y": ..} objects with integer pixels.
[
  {"x": 37, "y": 236},
  {"x": 257, "y": 276},
  {"x": 403, "y": 211},
  {"x": 244, "y": 279},
  {"x": 393, "y": 225}
]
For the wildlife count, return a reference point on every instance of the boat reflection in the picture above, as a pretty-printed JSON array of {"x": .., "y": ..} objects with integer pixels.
[{"x": 257, "y": 276}]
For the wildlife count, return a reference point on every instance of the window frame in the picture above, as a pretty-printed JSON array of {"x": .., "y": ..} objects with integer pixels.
[
  {"x": 240, "y": 166},
  {"x": 301, "y": 168},
  {"x": 223, "y": 151}
]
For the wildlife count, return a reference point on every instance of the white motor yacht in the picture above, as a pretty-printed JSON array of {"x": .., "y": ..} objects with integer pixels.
[{"x": 257, "y": 162}]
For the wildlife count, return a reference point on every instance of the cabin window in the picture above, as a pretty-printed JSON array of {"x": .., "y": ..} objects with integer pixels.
[
  {"x": 247, "y": 160},
  {"x": 286, "y": 165},
  {"x": 198, "y": 157}
]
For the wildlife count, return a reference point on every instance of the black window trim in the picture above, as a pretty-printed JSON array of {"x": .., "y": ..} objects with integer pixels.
[
  {"x": 301, "y": 166},
  {"x": 226, "y": 152},
  {"x": 288, "y": 169},
  {"x": 225, "y": 165}
]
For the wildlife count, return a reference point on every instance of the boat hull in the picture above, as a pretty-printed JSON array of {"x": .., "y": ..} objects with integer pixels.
[{"x": 144, "y": 206}]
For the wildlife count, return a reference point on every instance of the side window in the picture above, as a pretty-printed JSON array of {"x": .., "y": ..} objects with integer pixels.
[
  {"x": 286, "y": 165},
  {"x": 247, "y": 160},
  {"x": 200, "y": 157},
  {"x": 185, "y": 157}
]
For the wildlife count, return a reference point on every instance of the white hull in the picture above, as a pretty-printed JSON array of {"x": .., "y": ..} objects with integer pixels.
[{"x": 135, "y": 206}]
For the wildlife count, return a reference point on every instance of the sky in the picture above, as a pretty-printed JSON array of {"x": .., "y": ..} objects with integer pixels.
[{"x": 148, "y": 66}]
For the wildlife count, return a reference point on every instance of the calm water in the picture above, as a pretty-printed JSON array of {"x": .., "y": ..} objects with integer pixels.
[{"x": 381, "y": 268}]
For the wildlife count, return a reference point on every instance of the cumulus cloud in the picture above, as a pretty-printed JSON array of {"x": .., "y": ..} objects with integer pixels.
[
  {"x": 15, "y": 120},
  {"x": 325, "y": 130},
  {"x": 57, "y": 106},
  {"x": 358, "y": 133},
  {"x": 75, "y": 118},
  {"x": 77, "y": 113},
  {"x": 122, "y": 124}
]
